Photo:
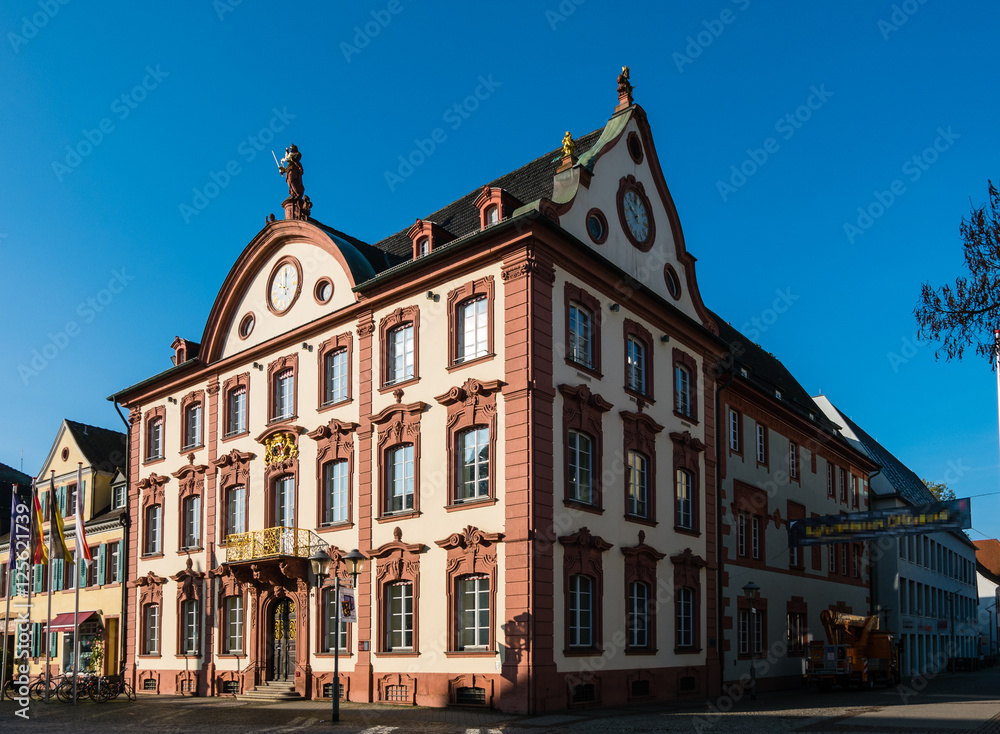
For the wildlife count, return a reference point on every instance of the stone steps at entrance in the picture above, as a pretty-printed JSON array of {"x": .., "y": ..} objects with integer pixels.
[{"x": 272, "y": 691}]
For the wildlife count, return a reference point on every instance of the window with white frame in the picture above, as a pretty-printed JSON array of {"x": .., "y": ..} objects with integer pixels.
[
  {"x": 284, "y": 502},
  {"x": 154, "y": 530},
  {"x": 236, "y": 411},
  {"x": 233, "y": 620},
  {"x": 335, "y": 492},
  {"x": 581, "y": 611},
  {"x": 682, "y": 390},
  {"x": 236, "y": 512},
  {"x": 151, "y": 629},
  {"x": 580, "y": 466},
  {"x": 192, "y": 426},
  {"x": 637, "y": 623},
  {"x": 330, "y": 640},
  {"x": 472, "y": 330},
  {"x": 190, "y": 621},
  {"x": 685, "y": 617},
  {"x": 742, "y": 520},
  {"x": 684, "y": 494},
  {"x": 399, "y": 479},
  {"x": 638, "y": 484},
  {"x": 284, "y": 394},
  {"x": 761, "y": 444},
  {"x": 154, "y": 439},
  {"x": 400, "y": 354},
  {"x": 118, "y": 497},
  {"x": 114, "y": 563},
  {"x": 581, "y": 335},
  {"x": 793, "y": 460},
  {"x": 400, "y": 617},
  {"x": 473, "y": 463},
  {"x": 192, "y": 522},
  {"x": 635, "y": 365},
  {"x": 734, "y": 431},
  {"x": 755, "y": 537},
  {"x": 335, "y": 367},
  {"x": 474, "y": 612}
]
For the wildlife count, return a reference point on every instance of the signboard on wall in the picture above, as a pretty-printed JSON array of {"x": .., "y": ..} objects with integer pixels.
[{"x": 919, "y": 519}]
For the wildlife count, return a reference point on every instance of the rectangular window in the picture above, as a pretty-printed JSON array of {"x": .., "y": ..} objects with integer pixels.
[
  {"x": 685, "y": 617},
  {"x": 793, "y": 460},
  {"x": 284, "y": 502},
  {"x": 472, "y": 330},
  {"x": 635, "y": 366},
  {"x": 335, "y": 369},
  {"x": 151, "y": 629},
  {"x": 189, "y": 618},
  {"x": 741, "y": 534},
  {"x": 400, "y": 621},
  {"x": 234, "y": 625},
  {"x": 236, "y": 517},
  {"x": 399, "y": 475},
  {"x": 755, "y": 537},
  {"x": 192, "y": 522},
  {"x": 335, "y": 488},
  {"x": 580, "y": 466},
  {"x": 401, "y": 364},
  {"x": 743, "y": 633},
  {"x": 581, "y": 611},
  {"x": 843, "y": 486},
  {"x": 638, "y": 484},
  {"x": 114, "y": 563},
  {"x": 684, "y": 493},
  {"x": 474, "y": 612},
  {"x": 236, "y": 411},
  {"x": 70, "y": 569},
  {"x": 580, "y": 335},
  {"x": 734, "y": 431},
  {"x": 843, "y": 559},
  {"x": 761, "y": 444},
  {"x": 796, "y": 625},
  {"x": 154, "y": 527},
  {"x": 638, "y": 614},
  {"x": 330, "y": 640},
  {"x": 154, "y": 444},
  {"x": 284, "y": 394},
  {"x": 831, "y": 551},
  {"x": 474, "y": 464},
  {"x": 118, "y": 497},
  {"x": 192, "y": 426},
  {"x": 682, "y": 390},
  {"x": 830, "y": 492},
  {"x": 70, "y": 509},
  {"x": 855, "y": 491}
]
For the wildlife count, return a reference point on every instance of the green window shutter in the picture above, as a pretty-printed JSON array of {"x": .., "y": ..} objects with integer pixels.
[
  {"x": 61, "y": 499},
  {"x": 37, "y": 584},
  {"x": 36, "y": 639},
  {"x": 54, "y": 644},
  {"x": 57, "y": 570},
  {"x": 102, "y": 563},
  {"x": 82, "y": 573}
]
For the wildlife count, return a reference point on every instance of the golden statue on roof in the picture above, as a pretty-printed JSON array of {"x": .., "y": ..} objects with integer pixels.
[{"x": 569, "y": 147}]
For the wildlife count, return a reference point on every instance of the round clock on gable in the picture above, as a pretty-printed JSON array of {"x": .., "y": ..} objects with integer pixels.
[
  {"x": 284, "y": 285},
  {"x": 635, "y": 213}
]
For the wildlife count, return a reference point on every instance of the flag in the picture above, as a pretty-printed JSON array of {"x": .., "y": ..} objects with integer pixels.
[
  {"x": 82, "y": 549},
  {"x": 58, "y": 538},
  {"x": 40, "y": 551}
]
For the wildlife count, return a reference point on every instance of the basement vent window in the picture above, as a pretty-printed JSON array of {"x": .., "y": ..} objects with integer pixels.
[
  {"x": 328, "y": 689},
  {"x": 640, "y": 688},
  {"x": 231, "y": 687},
  {"x": 584, "y": 693},
  {"x": 687, "y": 684},
  {"x": 149, "y": 684},
  {"x": 470, "y": 696},
  {"x": 397, "y": 694}
]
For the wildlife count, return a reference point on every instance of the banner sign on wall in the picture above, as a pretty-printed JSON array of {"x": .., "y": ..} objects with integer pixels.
[{"x": 919, "y": 519}]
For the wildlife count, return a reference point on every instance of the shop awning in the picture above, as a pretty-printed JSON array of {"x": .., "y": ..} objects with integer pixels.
[{"x": 65, "y": 621}]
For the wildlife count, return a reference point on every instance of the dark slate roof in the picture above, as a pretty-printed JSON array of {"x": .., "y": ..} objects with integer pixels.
[
  {"x": 767, "y": 374},
  {"x": 528, "y": 183},
  {"x": 904, "y": 481},
  {"x": 10, "y": 475},
  {"x": 378, "y": 259},
  {"x": 104, "y": 449}
]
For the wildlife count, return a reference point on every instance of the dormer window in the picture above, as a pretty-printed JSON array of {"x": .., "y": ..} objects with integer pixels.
[
  {"x": 494, "y": 205},
  {"x": 423, "y": 246},
  {"x": 426, "y": 237},
  {"x": 492, "y": 215}
]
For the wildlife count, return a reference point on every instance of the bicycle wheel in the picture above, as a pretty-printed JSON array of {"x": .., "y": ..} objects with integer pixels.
[
  {"x": 36, "y": 692},
  {"x": 65, "y": 691},
  {"x": 129, "y": 692}
]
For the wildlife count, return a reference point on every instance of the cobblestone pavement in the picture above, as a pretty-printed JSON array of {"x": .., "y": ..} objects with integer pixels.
[{"x": 961, "y": 703}]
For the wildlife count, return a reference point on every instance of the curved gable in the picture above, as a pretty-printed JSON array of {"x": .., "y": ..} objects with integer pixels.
[{"x": 314, "y": 254}]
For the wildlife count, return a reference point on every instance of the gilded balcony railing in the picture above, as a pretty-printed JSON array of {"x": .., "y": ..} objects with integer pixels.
[{"x": 270, "y": 542}]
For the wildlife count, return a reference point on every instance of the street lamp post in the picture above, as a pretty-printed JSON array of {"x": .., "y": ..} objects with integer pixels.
[
  {"x": 320, "y": 561},
  {"x": 752, "y": 592}
]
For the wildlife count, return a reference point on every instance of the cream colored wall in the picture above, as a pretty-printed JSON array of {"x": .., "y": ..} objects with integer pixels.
[
  {"x": 610, "y": 525},
  {"x": 645, "y": 267}
]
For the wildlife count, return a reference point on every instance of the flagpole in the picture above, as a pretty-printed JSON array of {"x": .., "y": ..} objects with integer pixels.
[
  {"x": 53, "y": 508},
  {"x": 996, "y": 365},
  {"x": 78, "y": 557}
]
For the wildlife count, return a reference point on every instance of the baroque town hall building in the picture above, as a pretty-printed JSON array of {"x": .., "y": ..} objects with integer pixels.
[{"x": 509, "y": 408}]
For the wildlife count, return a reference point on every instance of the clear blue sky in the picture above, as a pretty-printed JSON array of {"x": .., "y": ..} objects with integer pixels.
[{"x": 116, "y": 116}]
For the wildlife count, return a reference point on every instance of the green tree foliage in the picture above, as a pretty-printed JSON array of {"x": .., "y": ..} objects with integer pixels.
[
  {"x": 940, "y": 490},
  {"x": 965, "y": 314}
]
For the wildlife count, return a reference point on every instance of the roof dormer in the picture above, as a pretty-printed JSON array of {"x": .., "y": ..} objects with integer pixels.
[
  {"x": 494, "y": 205},
  {"x": 426, "y": 236},
  {"x": 184, "y": 350}
]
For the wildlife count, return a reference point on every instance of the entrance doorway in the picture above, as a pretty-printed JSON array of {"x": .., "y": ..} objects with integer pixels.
[{"x": 281, "y": 665}]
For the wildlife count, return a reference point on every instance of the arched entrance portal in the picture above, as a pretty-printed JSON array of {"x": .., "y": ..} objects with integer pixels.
[{"x": 281, "y": 633}]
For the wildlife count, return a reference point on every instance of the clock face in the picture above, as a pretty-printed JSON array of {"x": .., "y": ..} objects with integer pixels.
[
  {"x": 284, "y": 287},
  {"x": 636, "y": 215}
]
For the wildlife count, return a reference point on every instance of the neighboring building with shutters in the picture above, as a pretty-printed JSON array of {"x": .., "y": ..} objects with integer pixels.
[
  {"x": 508, "y": 407},
  {"x": 100, "y": 454}
]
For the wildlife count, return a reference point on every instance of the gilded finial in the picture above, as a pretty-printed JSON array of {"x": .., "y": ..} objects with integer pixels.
[{"x": 569, "y": 147}]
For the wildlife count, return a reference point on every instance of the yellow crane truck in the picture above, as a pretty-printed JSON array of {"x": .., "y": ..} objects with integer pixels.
[{"x": 855, "y": 652}]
